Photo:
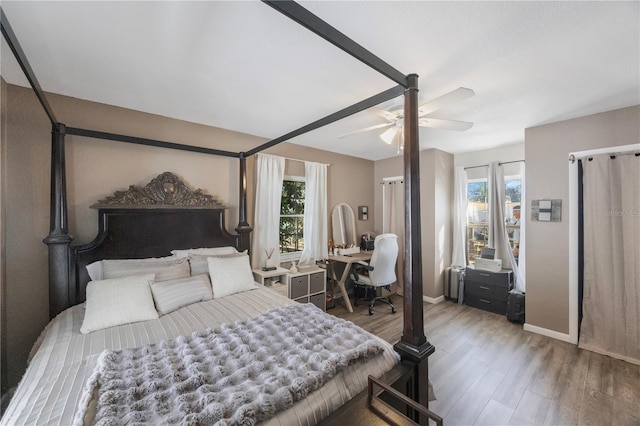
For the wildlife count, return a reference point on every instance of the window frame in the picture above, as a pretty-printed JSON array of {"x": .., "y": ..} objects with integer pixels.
[
  {"x": 293, "y": 255},
  {"x": 471, "y": 227}
]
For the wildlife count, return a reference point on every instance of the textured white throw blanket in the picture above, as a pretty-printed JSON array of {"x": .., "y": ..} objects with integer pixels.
[{"x": 239, "y": 373}]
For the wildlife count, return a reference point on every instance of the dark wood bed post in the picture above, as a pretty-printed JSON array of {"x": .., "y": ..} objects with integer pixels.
[
  {"x": 243, "y": 229},
  {"x": 58, "y": 239},
  {"x": 413, "y": 345}
]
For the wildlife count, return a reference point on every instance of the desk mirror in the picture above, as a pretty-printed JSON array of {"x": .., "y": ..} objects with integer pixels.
[{"x": 343, "y": 224}]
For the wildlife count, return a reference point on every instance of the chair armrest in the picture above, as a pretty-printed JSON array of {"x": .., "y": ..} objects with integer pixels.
[{"x": 361, "y": 264}]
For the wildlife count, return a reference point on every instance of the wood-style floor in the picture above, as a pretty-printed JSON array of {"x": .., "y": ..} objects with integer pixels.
[{"x": 489, "y": 371}]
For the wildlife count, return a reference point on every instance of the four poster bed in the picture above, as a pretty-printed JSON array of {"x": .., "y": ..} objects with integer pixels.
[{"x": 181, "y": 359}]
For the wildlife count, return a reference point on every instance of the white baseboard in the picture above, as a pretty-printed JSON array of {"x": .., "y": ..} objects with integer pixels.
[
  {"x": 432, "y": 300},
  {"x": 550, "y": 333}
]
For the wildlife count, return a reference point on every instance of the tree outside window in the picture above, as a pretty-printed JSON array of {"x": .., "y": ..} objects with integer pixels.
[{"x": 292, "y": 216}]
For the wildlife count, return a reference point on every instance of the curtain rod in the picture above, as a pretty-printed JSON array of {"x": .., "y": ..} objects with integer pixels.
[
  {"x": 499, "y": 164},
  {"x": 300, "y": 161},
  {"x": 573, "y": 158},
  {"x": 392, "y": 179}
]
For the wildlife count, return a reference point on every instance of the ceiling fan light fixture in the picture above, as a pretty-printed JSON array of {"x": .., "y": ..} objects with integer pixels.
[{"x": 388, "y": 135}]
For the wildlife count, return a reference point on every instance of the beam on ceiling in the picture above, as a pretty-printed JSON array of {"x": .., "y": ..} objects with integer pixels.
[
  {"x": 313, "y": 23},
  {"x": 13, "y": 43},
  {"x": 374, "y": 100},
  {"x": 148, "y": 142}
]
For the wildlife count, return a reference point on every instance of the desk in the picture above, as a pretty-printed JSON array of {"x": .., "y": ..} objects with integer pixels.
[{"x": 347, "y": 261}]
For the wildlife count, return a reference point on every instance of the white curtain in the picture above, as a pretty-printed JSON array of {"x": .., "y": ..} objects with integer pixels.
[
  {"x": 498, "y": 237},
  {"x": 522, "y": 242},
  {"x": 459, "y": 254},
  {"x": 393, "y": 222},
  {"x": 611, "y": 301},
  {"x": 266, "y": 229},
  {"x": 315, "y": 230}
]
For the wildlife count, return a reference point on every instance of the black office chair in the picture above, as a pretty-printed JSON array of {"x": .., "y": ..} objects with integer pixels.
[{"x": 379, "y": 272}]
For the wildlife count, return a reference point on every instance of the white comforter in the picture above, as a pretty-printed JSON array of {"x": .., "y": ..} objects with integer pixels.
[{"x": 50, "y": 390}]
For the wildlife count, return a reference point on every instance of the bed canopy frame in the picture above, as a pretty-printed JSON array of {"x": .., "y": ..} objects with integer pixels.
[{"x": 413, "y": 347}]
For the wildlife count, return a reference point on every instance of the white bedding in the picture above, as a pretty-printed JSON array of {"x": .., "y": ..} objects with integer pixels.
[{"x": 52, "y": 385}]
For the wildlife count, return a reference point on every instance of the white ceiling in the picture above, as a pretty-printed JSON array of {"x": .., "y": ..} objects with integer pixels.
[{"x": 243, "y": 66}]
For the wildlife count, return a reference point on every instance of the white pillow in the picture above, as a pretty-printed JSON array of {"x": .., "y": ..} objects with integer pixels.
[
  {"x": 204, "y": 250},
  {"x": 199, "y": 264},
  {"x": 230, "y": 275},
  {"x": 173, "y": 294},
  {"x": 118, "y": 301},
  {"x": 95, "y": 269},
  {"x": 169, "y": 269}
]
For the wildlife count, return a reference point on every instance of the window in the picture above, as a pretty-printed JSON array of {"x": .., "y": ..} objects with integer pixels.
[
  {"x": 292, "y": 218},
  {"x": 513, "y": 193},
  {"x": 477, "y": 217},
  {"x": 478, "y": 214}
]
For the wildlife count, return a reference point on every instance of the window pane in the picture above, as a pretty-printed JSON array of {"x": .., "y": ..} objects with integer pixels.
[
  {"x": 513, "y": 192},
  {"x": 477, "y": 217},
  {"x": 291, "y": 236},
  {"x": 292, "y": 216},
  {"x": 477, "y": 202},
  {"x": 292, "y": 201}
]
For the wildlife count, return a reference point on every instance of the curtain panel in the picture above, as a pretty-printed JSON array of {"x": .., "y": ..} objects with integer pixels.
[
  {"x": 266, "y": 229},
  {"x": 611, "y": 299},
  {"x": 315, "y": 232},
  {"x": 498, "y": 236},
  {"x": 459, "y": 255}
]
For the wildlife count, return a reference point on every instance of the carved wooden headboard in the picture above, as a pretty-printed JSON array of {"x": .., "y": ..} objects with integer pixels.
[{"x": 149, "y": 222}]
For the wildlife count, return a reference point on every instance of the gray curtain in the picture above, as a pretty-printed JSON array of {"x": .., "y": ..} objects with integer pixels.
[{"x": 611, "y": 302}]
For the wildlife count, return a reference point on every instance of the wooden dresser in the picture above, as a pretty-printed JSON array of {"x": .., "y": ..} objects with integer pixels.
[{"x": 487, "y": 290}]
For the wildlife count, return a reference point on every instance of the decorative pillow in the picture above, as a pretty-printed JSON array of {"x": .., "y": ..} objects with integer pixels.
[
  {"x": 95, "y": 269},
  {"x": 118, "y": 301},
  {"x": 230, "y": 275},
  {"x": 173, "y": 294},
  {"x": 204, "y": 250},
  {"x": 199, "y": 264},
  {"x": 169, "y": 269}
]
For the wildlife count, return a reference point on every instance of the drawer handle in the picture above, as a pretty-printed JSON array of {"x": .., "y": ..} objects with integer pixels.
[
  {"x": 485, "y": 275},
  {"x": 483, "y": 287},
  {"x": 485, "y": 301}
]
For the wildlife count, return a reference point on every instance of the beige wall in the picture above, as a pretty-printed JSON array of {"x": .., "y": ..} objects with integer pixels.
[
  {"x": 436, "y": 195},
  {"x": 96, "y": 169},
  {"x": 547, "y": 148}
]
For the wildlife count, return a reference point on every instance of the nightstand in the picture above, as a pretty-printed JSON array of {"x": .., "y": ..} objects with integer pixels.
[{"x": 275, "y": 280}]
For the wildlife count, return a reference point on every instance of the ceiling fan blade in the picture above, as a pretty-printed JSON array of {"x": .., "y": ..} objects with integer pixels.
[
  {"x": 366, "y": 129},
  {"x": 458, "y": 95},
  {"x": 438, "y": 123},
  {"x": 389, "y": 115}
]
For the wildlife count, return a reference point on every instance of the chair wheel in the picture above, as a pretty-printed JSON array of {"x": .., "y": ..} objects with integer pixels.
[
  {"x": 370, "y": 311},
  {"x": 393, "y": 310}
]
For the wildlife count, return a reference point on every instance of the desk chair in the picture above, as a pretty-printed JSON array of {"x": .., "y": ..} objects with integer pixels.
[{"x": 379, "y": 272}]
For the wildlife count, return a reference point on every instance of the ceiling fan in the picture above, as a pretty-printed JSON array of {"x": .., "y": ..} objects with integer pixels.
[{"x": 396, "y": 118}]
